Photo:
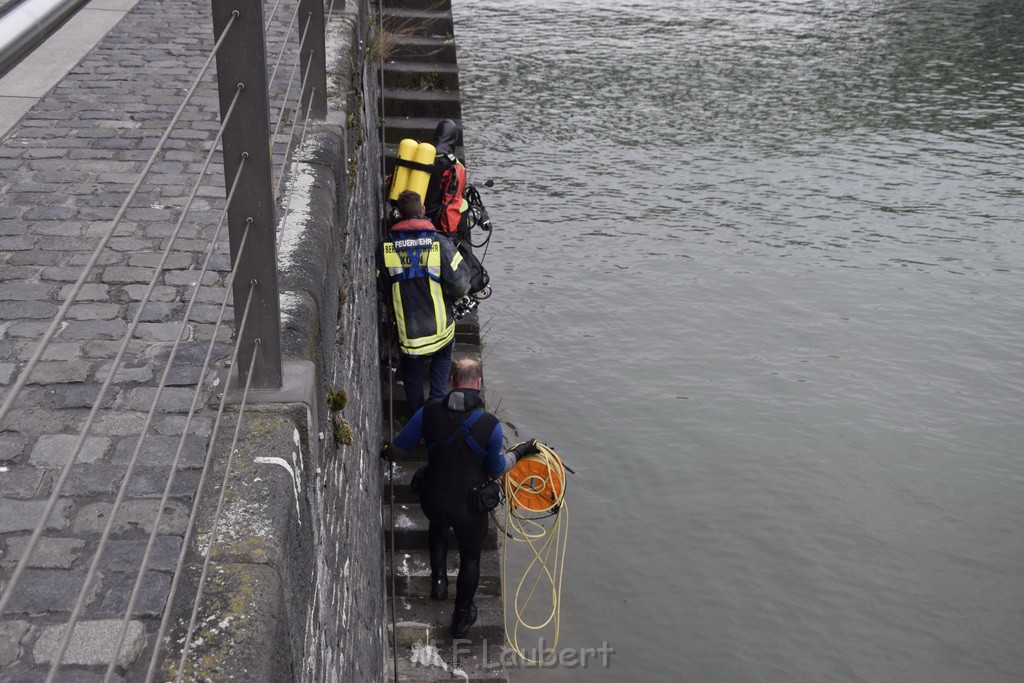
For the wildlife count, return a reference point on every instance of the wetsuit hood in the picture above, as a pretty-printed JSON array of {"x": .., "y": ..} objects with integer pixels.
[
  {"x": 462, "y": 400},
  {"x": 446, "y": 135}
]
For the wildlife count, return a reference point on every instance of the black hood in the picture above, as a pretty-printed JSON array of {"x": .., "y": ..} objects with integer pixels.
[
  {"x": 446, "y": 136},
  {"x": 463, "y": 400}
]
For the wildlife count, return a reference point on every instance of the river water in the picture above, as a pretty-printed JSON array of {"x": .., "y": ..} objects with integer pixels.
[{"x": 758, "y": 277}]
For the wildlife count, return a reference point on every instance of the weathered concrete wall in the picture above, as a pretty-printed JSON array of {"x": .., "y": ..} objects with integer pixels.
[{"x": 297, "y": 576}]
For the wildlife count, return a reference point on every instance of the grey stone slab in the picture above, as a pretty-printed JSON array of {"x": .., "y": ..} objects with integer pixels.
[
  {"x": 176, "y": 424},
  {"x": 175, "y": 261},
  {"x": 23, "y": 515},
  {"x": 133, "y": 515},
  {"x": 95, "y": 312},
  {"x": 60, "y": 372},
  {"x": 127, "y": 275},
  {"x": 126, "y": 556},
  {"x": 18, "y": 272},
  {"x": 172, "y": 399},
  {"x": 184, "y": 376},
  {"x": 150, "y": 602},
  {"x": 88, "y": 292},
  {"x": 54, "y": 351},
  {"x": 119, "y": 424},
  {"x": 158, "y": 311},
  {"x": 79, "y": 396},
  {"x": 160, "y": 450},
  {"x": 188, "y": 277},
  {"x": 93, "y": 480},
  {"x": 135, "y": 372},
  {"x": 50, "y": 590},
  {"x": 52, "y": 450},
  {"x": 12, "y": 446},
  {"x": 36, "y": 310},
  {"x": 49, "y": 553},
  {"x": 25, "y": 291},
  {"x": 20, "y": 483},
  {"x": 165, "y": 332},
  {"x": 105, "y": 258},
  {"x": 160, "y": 293},
  {"x": 91, "y": 643},
  {"x": 34, "y": 420},
  {"x": 7, "y": 372},
  {"x": 98, "y": 329},
  {"x": 11, "y": 634},
  {"x": 150, "y": 482}
]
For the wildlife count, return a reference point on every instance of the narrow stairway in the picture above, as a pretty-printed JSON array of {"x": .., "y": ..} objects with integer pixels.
[{"x": 421, "y": 87}]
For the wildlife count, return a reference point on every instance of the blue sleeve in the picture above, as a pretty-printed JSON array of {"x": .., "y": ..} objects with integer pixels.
[
  {"x": 495, "y": 460},
  {"x": 411, "y": 433}
]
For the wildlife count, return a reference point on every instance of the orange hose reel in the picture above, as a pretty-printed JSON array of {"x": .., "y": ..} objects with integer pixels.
[{"x": 533, "y": 484}]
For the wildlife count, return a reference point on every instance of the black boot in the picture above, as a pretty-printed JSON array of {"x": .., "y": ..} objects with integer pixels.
[
  {"x": 438, "y": 587},
  {"x": 462, "y": 619}
]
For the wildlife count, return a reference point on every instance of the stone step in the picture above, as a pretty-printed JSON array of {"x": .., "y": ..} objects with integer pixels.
[
  {"x": 437, "y": 104},
  {"x": 412, "y": 576},
  {"x": 445, "y": 5},
  {"x": 419, "y": 22},
  {"x": 426, "y": 621},
  {"x": 411, "y": 529},
  {"x": 423, "y": 661},
  {"x": 422, "y": 50},
  {"x": 421, "y": 77},
  {"x": 397, "y": 128}
]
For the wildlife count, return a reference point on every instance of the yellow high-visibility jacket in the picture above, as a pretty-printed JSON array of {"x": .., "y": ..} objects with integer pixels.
[{"x": 422, "y": 273}]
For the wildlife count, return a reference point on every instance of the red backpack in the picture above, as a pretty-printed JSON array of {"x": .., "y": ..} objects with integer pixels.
[{"x": 444, "y": 196}]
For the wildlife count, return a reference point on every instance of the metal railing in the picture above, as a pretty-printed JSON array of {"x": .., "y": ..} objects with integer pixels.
[{"x": 250, "y": 211}]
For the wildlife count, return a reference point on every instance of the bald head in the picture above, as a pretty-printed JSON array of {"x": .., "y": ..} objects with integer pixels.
[{"x": 467, "y": 373}]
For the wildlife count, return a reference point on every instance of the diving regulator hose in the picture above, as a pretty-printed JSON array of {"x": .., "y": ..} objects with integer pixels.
[{"x": 537, "y": 516}]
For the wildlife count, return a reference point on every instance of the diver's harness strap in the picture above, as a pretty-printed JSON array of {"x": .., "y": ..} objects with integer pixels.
[
  {"x": 485, "y": 495},
  {"x": 415, "y": 165},
  {"x": 462, "y": 429},
  {"x": 489, "y": 493}
]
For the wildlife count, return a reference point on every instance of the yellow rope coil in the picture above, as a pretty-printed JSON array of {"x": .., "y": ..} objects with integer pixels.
[{"x": 536, "y": 515}]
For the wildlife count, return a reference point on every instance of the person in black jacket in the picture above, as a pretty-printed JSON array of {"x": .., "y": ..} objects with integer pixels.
[{"x": 457, "y": 461}]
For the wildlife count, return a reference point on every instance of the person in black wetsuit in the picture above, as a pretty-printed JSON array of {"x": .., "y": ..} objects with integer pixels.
[
  {"x": 453, "y": 470},
  {"x": 444, "y": 200}
]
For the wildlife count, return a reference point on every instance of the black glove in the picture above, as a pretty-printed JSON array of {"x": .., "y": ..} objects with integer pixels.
[
  {"x": 526, "y": 448},
  {"x": 385, "y": 452}
]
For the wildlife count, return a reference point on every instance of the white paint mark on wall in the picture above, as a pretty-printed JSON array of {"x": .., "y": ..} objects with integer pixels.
[{"x": 296, "y": 487}]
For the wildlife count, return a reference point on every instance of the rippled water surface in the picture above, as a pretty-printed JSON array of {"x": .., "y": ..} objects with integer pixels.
[{"x": 758, "y": 277}]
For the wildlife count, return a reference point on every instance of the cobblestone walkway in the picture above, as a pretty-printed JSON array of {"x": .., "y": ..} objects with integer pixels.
[{"x": 66, "y": 169}]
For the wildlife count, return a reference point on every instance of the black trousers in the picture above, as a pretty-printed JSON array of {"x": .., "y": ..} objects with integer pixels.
[{"x": 470, "y": 530}]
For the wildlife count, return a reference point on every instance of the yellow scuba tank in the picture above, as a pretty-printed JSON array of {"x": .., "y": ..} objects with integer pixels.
[
  {"x": 412, "y": 178},
  {"x": 406, "y": 151}
]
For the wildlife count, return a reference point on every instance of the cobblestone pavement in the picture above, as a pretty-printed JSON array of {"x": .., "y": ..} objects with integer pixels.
[{"x": 66, "y": 168}]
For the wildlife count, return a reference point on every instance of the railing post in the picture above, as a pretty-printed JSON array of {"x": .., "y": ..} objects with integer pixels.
[
  {"x": 313, "y": 58},
  {"x": 242, "y": 60}
]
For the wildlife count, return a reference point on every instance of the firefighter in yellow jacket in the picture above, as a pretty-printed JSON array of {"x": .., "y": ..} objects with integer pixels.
[{"x": 422, "y": 273}]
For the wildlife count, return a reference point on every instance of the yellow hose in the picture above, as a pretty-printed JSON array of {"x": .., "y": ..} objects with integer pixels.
[{"x": 536, "y": 515}]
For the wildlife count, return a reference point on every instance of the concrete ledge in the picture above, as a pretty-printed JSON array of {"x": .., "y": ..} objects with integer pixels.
[{"x": 252, "y": 612}]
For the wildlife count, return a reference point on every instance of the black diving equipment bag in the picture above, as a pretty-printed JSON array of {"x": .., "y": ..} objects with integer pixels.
[
  {"x": 478, "y": 277},
  {"x": 485, "y": 497}
]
